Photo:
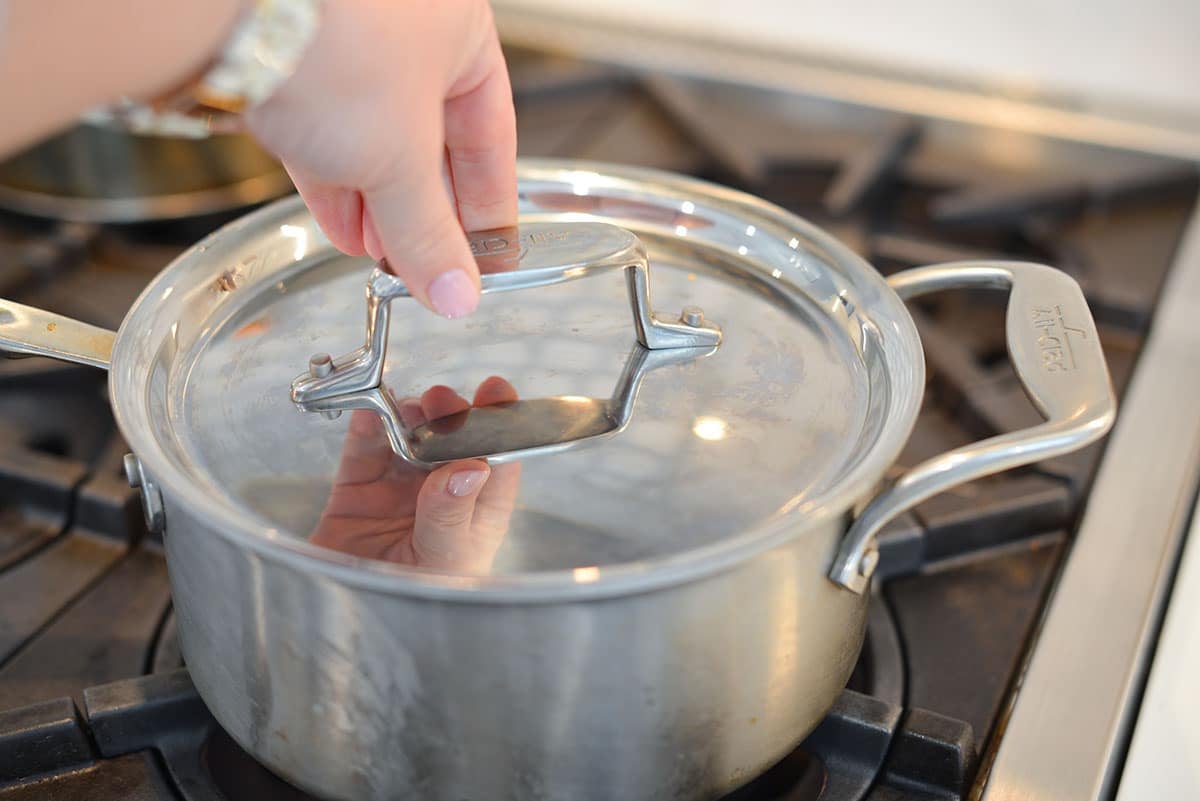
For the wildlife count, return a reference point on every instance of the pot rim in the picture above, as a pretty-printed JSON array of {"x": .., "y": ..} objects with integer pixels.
[{"x": 242, "y": 528}]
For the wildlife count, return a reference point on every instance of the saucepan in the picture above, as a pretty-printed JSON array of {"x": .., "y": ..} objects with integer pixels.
[{"x": 689, "y": 399}]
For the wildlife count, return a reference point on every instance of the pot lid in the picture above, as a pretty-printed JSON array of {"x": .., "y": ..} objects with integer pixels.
[{"x": 776, "y": 378}]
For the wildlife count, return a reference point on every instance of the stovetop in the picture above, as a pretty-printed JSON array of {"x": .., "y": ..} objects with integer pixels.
[{"x": 100, "y": 704}]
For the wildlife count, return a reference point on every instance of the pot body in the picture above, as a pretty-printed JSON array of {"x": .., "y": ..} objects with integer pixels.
[{"x": 681, "y": 692}]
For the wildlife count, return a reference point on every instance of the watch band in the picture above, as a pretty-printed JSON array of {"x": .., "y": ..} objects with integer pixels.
[{"x": 264, "y": 50}]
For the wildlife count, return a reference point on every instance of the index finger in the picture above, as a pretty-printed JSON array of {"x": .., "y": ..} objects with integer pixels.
[{"x": 481, "y": 140}]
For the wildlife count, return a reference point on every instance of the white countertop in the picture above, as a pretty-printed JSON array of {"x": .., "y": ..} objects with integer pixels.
[{"x": 1164, "y": 757}]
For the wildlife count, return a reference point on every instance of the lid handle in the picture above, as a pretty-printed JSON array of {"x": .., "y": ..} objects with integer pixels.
[
  {"x": 505, "y": 432},
  {"x": 1056, "y": 351},
  {"x": 537, "y": 254}
]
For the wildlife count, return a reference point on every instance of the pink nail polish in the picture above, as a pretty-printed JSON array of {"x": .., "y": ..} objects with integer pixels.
[
  {"x": 453, "y": 294},
  {"x": 466, "y": 482}
]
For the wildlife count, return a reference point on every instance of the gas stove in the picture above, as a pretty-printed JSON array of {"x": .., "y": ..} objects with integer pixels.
[{"x": 95, "y": 700}]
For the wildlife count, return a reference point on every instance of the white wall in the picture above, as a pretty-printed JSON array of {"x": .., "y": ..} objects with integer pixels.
[{"x": 1142, "y": 51}]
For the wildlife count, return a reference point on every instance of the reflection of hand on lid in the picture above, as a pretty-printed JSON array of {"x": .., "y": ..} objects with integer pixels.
[{"x": 453, "y": 518}]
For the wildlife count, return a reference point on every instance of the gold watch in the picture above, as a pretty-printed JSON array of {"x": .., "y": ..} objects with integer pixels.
[{"x": 264, "y": 50}]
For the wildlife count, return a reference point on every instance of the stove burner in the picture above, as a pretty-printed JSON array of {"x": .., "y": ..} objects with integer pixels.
[
  {"x": 840, "y": 761},
  {"x": 238, "y": 777},
  {"x": 800, "y": 776}
]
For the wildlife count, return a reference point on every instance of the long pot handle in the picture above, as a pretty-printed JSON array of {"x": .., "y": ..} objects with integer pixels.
[
  {"x": 1056, "y": 352},
  {"x": 27, "y": 331}
]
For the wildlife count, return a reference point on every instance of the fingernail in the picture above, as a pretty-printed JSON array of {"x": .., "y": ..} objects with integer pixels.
[
  {"x": 453, "y": 294},
  {"x": 466, "y": 482}
]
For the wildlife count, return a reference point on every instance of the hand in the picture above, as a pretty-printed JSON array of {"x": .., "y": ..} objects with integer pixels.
[
  {"x": 453, "y": 519},
  {"x": 398, "y": 129}
]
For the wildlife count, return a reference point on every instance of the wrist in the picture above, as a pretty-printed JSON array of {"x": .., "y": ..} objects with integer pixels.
[
  {"x": 256, "y": 56},
  {"x": 61, "y": 57},
  {"x": 175, "y": 43}
]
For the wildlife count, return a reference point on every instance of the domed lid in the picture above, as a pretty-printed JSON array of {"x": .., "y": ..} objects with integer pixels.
[{"x": 658, "y": 368}]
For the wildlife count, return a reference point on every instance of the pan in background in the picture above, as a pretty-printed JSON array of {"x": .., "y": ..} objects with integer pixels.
[{"x": 97, "y": 174}]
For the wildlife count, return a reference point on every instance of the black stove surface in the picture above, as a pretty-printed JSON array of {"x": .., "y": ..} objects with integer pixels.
[{"x": 99, "y": 703}]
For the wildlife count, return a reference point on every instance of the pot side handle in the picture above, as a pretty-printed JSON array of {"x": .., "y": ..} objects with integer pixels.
[
  {"x": 27, "y": 331},
  {"x": 1056, "y": 352}
]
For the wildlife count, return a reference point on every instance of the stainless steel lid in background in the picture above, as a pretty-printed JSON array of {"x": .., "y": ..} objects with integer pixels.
[{"x": 795, "y": 414}]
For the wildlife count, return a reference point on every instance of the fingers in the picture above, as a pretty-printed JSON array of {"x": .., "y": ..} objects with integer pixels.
[
  {"x": 371, "y": 489},
  {"x": 481, "y": 139},
  {"x": 442, "y": 532},
  {"x": 442, "y": 401},
  {"x": 494, "y": 390},
  {"x": 366, "y": 453},
  {"x": 463, "y": 509},
  {"x": 437, "y": 404},
  {"x": 404, "y": 115},
  {"x": 371, "y": 240},
  {"x": 459, "y": 513},
  {"x": 439, "y": 401},
  {"x": 420, "y": 234},
  {"x": 339, "y": 211},
  {"x": 494, "y": 506}
]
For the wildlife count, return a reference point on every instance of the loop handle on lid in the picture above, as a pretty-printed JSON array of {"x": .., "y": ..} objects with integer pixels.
[
  {"x": 506, "y": 432},
  {"x": 538, "y": 254}
]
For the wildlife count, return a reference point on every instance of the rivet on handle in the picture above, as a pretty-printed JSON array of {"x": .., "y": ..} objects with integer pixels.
[{"x": 319, "y": 366}]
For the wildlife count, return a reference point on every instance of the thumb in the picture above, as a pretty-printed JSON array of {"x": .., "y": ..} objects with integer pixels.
[{"x": 423, "y": 241}]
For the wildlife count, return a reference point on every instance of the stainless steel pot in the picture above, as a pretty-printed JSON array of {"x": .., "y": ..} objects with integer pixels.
[
  {"x": 94, "y": 173},
  {"x": 666, "y": 589}
]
